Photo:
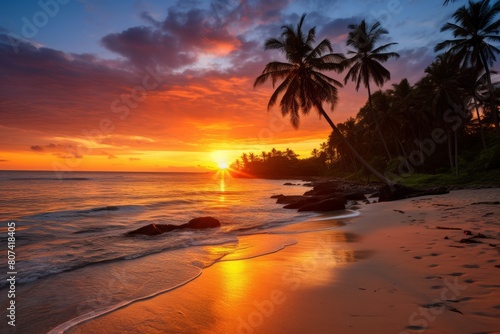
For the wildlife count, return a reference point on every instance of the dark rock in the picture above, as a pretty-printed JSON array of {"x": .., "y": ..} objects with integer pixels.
[
  {"x": 304, "y": 201},
  {"x": 196, "y": 223},
  {"x": 289, "y": 199},
  {"x": 327, "y": 185},
  {"x": 202, "y": 222},
  {"x": 356, "y": 196},
  {"x": 153, "y": 229},
  {"x": 277, "y": 196},
  {"x": 394, "y": 192},
  {"x": 397, "y": 191},
  {"x": 331, "y": 204},
  {"x": 289, "y": 184},
  {"x": 323, "y": 192},
  {"x": 105, "y": 208},
  {"x": 324, "y": 188}
]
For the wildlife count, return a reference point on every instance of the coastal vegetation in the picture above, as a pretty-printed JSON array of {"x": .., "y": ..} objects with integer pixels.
[{"x": 445, "y": 124}]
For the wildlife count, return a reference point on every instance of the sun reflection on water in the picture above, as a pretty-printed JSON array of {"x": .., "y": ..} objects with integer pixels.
[{"x": 221, "y": 176}]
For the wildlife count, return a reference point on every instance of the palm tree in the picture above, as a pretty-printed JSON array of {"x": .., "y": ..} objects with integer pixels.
[
  {"x": 404, "y": 112},
  {"x": 446, "y": 88},
  {"x": 473, "y": 86},
  {"x": 475, "y": 28},
  {"x": 365, "y": 64},
  {"x": 264, "y": 156},
  {"x": 290, "y": 154},
  {"x": 244, "y": 158},
  {"x": 303, "y": 85},
  {"x": 252, "y": 157},
  {"x": 274, "y": 152}
]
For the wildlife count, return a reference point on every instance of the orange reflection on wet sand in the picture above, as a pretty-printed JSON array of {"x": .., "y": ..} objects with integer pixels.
[{"x": 232, "y": 296}]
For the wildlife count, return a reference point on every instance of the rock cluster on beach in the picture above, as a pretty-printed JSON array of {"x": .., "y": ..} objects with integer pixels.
[
  {"x": 334, "y": 195},
  {"x": 196, "y": 223},
  {"x": 327, "y": 196}
]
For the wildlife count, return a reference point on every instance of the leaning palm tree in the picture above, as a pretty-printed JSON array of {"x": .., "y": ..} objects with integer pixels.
[
  {"x": 365, "y": 64},
  {"x": 475, "y": 29},
  {"x": 303, "y": 86}
]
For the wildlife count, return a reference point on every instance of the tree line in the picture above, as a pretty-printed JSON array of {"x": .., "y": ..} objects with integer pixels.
[{"x": 279, "y": 164}]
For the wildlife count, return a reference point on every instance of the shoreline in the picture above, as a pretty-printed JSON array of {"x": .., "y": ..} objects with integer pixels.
[{"x": 389, "y": 268}]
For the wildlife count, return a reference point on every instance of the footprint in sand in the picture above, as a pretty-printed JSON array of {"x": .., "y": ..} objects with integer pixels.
[
  {"x": 470, "y": 266},
  {"x": 456, "y": 274},
  {"x": 437, "y": 287},
  {"x": 464, "y": 299},
  {"x": 433, "y": 265},
  {"x": 416, "y": 328},
  {"x": 469, "y": 281},
  {"x": 490, "y": 286},
  {"x": 417, "y": 257}
]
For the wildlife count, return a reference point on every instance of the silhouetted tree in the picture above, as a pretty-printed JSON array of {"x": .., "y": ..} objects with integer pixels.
[{"x": 303, "y": 86}]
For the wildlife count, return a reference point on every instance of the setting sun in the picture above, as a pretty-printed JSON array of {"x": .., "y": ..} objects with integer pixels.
[
  {"x": 223, "y": 165},
  {"x": 222, "y": 158}
]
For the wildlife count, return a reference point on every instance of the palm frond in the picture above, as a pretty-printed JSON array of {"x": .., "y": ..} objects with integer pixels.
[
  {"x": 384, "y": 47},
  {"x": 302, "y": 86}
]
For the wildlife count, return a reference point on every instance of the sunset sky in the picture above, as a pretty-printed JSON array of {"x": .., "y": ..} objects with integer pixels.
[{"x": 160, "y": 85}]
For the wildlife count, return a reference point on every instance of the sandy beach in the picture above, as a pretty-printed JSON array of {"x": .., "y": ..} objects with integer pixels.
[{"x": 399, "y": 267}]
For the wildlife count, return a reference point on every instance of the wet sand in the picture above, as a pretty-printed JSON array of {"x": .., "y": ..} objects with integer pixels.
[{"x": 396, "y": 268}]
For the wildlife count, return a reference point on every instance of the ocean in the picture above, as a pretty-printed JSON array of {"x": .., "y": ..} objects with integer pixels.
[{"x": 74, "y": 261}]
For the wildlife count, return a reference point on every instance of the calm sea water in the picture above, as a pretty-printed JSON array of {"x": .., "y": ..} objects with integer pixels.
[{"x": 74, "y": 261}]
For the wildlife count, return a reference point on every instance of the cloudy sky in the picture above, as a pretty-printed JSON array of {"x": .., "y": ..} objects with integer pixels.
[{"x": 160, "y": 85}]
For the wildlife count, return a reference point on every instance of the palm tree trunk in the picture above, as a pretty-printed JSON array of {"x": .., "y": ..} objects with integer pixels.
[
  {"x": 456, "y": 152},
  {"x": 377, "y": 126},
  {"x": 480, "y": 123},
  {"x": 358, "y": 157},
  {"x": 404, "y": 155},
  {"x": 450, "y": 153},
  {"x": 491, "y": 91}
]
